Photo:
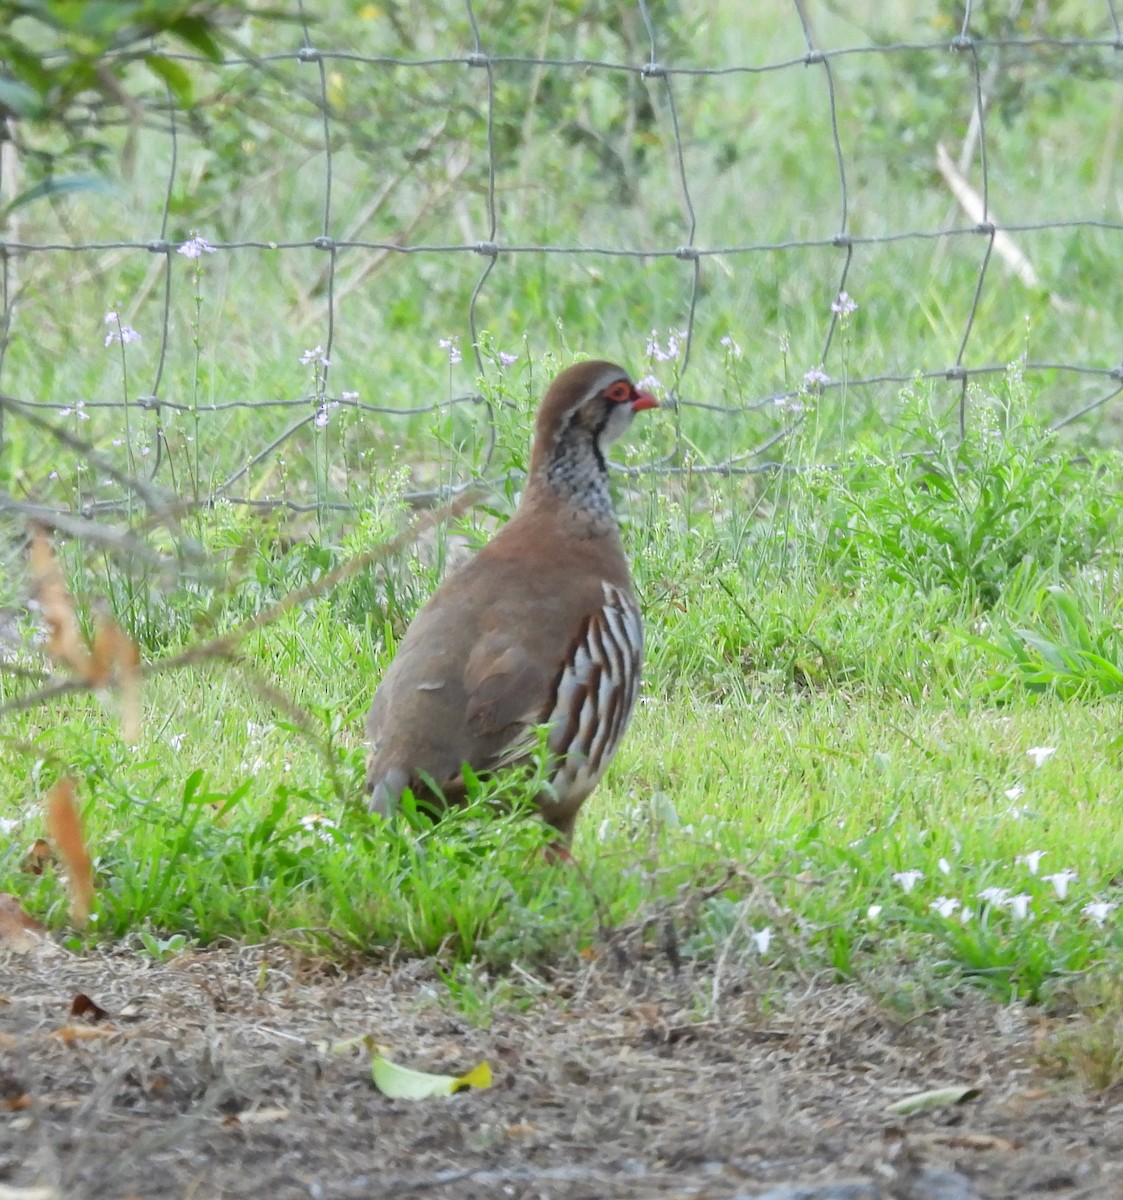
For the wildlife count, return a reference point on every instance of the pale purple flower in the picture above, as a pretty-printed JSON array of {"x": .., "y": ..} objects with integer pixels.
[
  {"x": 816, "y": 377},
  {"x": 506, "y": 360},
  {"x": 195, "y": 247},
  {"x": 1041, "y": 754},
  {"x": 121, "y": 333},
  {"x": 844, "y": 306},
  {"x": 762, "y": 939},
  {"x": 1031, "y": 860},
  {"x": 907, "y": 879},
  {"x": 648, "y": 383},
  {"x": 730, "y": 343},
  {"x": 320, "y": 420},
  {"x": 788, "y": 404},
  {"x": 1098, "y": 910},
  {"x": 655, "y": 349},
  {"x": 452, "y": 346},
  {"x": 315, "y": 355},
  {"x": 944, "y": 905},
  {"x": 1060, "y": 881},
  {"x": 349, "y": 395},
  {"x": 994, "y": 895},
  {"x": 1019, "y": 905}
]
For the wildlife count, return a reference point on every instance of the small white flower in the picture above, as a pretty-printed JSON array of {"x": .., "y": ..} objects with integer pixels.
[
  {"x": 1015, "y": 793},
  {"x": 730, "y": 343},
  {"x": 1032, "y": 860},
  {"x": 1019, "y": 905},
  {"x": 994, "y": 895},
  {"x": 945, "y": 905},
  {"x": 1041, "y": 754},
  {"x": 348, "y": 395},
  {"x": 873, "y": 912},
  {"x": 9, "y": 824},
  {"x": 844, "y": 306},
  {"x": 1098, "y": 910},
  {"x": 944, "y": 865},
  {"x": 966, "y": 915},
  {"x": 1060, "y": 881},
  {"x": 320, "y": 420},
  {"x": 648, "y": 383},
  {"x": 176, "y": 740},
  {"x": 603, "y": 830},
  {"x": 762, "y": 939},
  {"x": 907, "y": 879},
  {"x": 318, "y": 825},
  {"x": 315, "y": 356}
]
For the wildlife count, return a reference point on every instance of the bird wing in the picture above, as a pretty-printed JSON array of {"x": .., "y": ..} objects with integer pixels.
[{"x": 508, "y": 685}]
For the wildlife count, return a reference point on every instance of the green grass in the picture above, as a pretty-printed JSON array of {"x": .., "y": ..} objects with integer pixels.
[
  {"x": 848, "y": 660},
  {"x": 816, "y": 717}
]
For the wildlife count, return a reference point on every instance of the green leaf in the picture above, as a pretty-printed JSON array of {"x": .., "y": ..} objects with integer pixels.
[
  {"x": 403, "y": 1083},
  {"x": 59, "y": 187},
  {"x": 935, "y": 1098},
  {"x": 19, "y": 99},
  {"x": 174, "y": 75},
  {"x": 197, "y": 32}
]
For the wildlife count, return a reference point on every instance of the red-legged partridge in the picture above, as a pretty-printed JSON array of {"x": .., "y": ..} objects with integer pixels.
[{"x": 540, "y": 628}]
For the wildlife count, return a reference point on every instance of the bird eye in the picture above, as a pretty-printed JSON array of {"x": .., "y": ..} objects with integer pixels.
[{"x": 619, "y": 392}]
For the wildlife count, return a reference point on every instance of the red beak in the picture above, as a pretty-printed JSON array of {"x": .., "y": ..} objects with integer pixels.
[{"x": 642, "y": 400}]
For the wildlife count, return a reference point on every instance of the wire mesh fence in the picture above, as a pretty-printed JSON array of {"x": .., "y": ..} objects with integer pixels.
[{"x": 811, "y": 208}]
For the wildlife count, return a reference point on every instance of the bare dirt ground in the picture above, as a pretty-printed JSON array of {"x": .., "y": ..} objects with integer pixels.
[{"x": 212, "y": 1076}]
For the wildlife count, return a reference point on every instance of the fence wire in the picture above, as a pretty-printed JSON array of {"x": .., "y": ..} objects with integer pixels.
[{"x": 970, "y": 185}]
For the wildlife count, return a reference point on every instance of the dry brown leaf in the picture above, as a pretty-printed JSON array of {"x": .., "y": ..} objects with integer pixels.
[
  {"x": 116, "y": 657},
  {"x": 18, "y": 931},
  {"x": 82, "y": 1033},
  {"x": 965, "y": 1140},
  {"x": 82, "y": 1006},
  {"x": 257, "y": 1116},
  {"x": 65, "y": 829},
  {"x": 64, "y": 641},
  {"x": 37, "y": 857}
]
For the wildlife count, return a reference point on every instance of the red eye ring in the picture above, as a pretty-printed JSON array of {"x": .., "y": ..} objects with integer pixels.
[{"x": 619, "y": 392}]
